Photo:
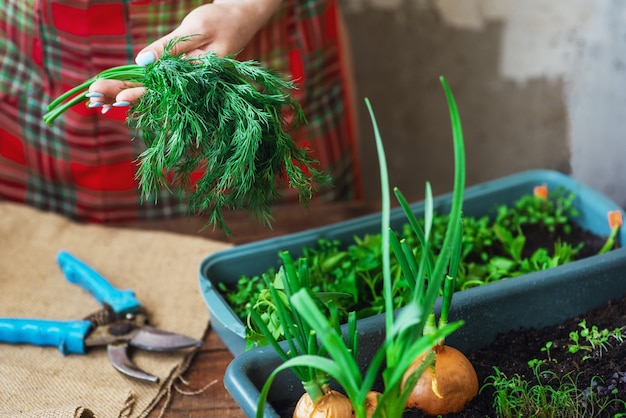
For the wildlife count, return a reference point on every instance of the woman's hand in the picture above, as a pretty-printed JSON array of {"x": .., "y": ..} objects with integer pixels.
[{"x": 223, "y": 27}]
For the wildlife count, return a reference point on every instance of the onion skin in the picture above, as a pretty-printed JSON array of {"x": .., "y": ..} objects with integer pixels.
[
  {"x": 331, "y": 405},
  {"x": 447, "y": 386},
  {"x": 371, "y": 402}
]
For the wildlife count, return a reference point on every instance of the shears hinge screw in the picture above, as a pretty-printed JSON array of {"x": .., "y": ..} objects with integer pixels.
[{"x": 121, "y": 328}]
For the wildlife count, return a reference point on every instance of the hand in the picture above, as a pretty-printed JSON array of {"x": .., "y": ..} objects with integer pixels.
[{"x": 223, "y": 27}]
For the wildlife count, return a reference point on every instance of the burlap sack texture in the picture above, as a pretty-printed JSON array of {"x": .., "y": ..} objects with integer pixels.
[{"x": 162, "y": 269}]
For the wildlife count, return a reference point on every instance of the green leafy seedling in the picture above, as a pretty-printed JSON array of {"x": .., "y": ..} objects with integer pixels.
[
  {"x": 548, "y": 395},
  {"x": 593, "y": 339},
  {"x": 301, "y": 338},
  {"x": 546, "y": 349}
]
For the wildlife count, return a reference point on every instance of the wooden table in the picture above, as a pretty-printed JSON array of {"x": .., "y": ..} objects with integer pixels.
[{"x": 211, "y": 361}]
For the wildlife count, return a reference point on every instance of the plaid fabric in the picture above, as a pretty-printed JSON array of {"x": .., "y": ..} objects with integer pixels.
[{"x": 83, "y": 166}]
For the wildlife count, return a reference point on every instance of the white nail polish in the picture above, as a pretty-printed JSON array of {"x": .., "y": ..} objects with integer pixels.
[{"x": 145, "y": 58}]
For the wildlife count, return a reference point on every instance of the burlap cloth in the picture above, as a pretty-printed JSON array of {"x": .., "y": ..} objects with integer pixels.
[{"x": 162, "y": 268}]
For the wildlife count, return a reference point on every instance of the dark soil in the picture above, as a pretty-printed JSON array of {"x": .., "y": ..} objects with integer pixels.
[
  {"x": 538, "y": 237},
  {"x": 512, "y": 351}
]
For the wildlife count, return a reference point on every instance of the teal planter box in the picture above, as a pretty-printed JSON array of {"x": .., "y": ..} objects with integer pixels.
[
  {"x": 532, "y": 301},
  {"x": 229, "y": 265}
]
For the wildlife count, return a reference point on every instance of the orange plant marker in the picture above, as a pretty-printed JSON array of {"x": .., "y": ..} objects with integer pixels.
[
  {"x": 541, "y": 191},
  {"x": 615, "y": 218}
]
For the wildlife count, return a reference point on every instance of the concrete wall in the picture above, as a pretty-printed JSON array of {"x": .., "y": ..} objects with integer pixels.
[{"x": 539, "y": 84}]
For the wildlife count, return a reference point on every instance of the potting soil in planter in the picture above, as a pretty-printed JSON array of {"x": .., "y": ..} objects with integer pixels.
[{"x": 512, "y": 351}]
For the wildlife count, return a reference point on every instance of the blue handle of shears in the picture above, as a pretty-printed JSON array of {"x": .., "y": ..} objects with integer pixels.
[
  {"x": 68, "y": 336},
  {"x": 77, "y": 272}
]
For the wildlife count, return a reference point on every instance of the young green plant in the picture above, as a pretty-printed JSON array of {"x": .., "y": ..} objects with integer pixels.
[
  {"x": 450, "y": 382},
  {"x": 215, "y": 130},
  {"x": 300, "y": 337},
  {"x": 548, "y": 395},
  {"x": 615, "y": 223},
  {"x": 593, "y": 339},
  {"x": 404, "y": 338},
  {"x": 493, "y": 249}
]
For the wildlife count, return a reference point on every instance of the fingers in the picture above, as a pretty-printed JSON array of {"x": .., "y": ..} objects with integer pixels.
[
  {"x": 107, "y": 94},
  {"x": 154, "y": 51},
  {"x": 146, "y": 57},
  {"x": 130, "y": 95},
  {"x": 113, "y": 93}
]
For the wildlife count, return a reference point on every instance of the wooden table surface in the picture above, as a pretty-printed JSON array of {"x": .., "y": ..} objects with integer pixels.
[{"x": 212, "y": 359}]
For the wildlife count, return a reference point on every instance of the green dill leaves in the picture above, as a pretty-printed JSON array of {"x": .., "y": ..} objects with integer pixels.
[{"x": 216, "y": 132}]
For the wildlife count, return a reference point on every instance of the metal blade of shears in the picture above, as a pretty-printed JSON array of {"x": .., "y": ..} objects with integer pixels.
[
  {"x": 155, "y": 339},
  {"x": 118, "y": 356},
  {"x": 146, "y": 338}
]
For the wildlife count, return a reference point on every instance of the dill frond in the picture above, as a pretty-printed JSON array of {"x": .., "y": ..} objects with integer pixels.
[{"x": 224, "y": 120}]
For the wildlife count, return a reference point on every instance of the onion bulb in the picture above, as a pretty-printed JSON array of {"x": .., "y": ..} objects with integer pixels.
[
  {"x": 371, "y": 402},
  {"x": 331, "y": 405},
  {"x": 447, "y": 386}
]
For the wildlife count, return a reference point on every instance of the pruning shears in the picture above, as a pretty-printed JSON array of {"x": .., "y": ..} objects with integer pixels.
[{"x": 120, "y": 324}]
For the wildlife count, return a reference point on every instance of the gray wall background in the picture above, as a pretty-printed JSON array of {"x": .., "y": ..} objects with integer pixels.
[{"x": 539, "y": 84}]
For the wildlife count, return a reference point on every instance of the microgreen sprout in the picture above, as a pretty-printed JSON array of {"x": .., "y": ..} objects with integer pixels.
[
  {"x": 614, "y": 385},
  {"x": 546, "y": 349},
  {"x": 547, "y": 396},
  {"x": 615, "y": 223},
  {"x": 549, "y": 209},
  {"x": 215, "y": 130},
  {"x": 593, "y": 339}
]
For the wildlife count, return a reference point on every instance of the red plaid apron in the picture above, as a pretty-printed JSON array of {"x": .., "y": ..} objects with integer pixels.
[{"x": 83, "y": 166}]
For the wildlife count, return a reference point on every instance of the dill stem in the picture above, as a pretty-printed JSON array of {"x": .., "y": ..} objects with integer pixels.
[
  {"x": 57, "y": 111},
  {"x": 83, "y": 86},
  {"x": 131, "y": 72}
]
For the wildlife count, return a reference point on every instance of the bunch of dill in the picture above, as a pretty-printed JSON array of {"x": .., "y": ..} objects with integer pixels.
[
  {"x": 228, "y": 119},
  {"x": 216, "y": 132}
]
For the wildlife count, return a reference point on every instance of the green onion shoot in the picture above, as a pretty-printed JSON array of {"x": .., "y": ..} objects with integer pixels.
[{"x": 407, "y": 333}]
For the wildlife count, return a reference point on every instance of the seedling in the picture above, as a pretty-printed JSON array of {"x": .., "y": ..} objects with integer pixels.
[
  {"x": 593, "y": 339},
  {"x": 549, "y": 209},
  {"x": 548, "y": 395},
  {"x": 546, "y": 349},
  {"x": 615, "y": 223},
  {"x": 615, "y": 385}
]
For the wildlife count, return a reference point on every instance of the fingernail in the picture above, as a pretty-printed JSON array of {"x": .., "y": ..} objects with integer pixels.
[
  {"x": 145, "y": 58},
  {"x": 105, "y": 110},
  {"x": 94, "y": 95},
  {"x": 96, "y": 104},
  {"x": 121, "y": 104}
]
